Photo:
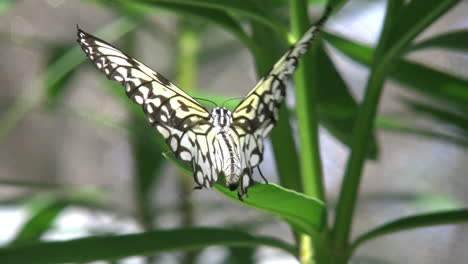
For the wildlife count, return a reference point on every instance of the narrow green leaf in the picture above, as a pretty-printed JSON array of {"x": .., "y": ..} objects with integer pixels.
[
  {"x": 445, "y": 116},
  {"x": 398, "y": 127},
  {"x": 304, "y": 213},
  {"x": 414, "y": 18},
  {"x": 143, "y": 244},
  {"x": 411, "y": 222},
  {"x": 247, "y": 8},
  {"x": 455, "y": 40},
  {"x": 54, "y": 74},
  {"x": 337, "y": 107},
  {"x": 55, "y": 90},
  {"x": 40, "y": 222},
  {"x": 439, "y": 85},
  {"x": 216, "y": 15}
]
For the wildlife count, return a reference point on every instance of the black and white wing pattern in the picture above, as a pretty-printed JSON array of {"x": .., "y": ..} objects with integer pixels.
[
  {"x": 258, "y": 112},
  {"x": 213, "y": 142},
  {"x": 182, "y": 121}
]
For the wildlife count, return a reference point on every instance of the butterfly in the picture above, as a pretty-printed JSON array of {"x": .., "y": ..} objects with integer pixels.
[{"x": 213, "y": 141}]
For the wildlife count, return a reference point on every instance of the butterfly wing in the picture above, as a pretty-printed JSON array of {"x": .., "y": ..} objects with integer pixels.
[
  {"x": 178, "y": 117},
  {"x": 258, "y": 112}
]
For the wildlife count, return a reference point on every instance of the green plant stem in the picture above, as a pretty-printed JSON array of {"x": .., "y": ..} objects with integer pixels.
[
  {"x": 362, "y": 132},
  {"x": 306, "y": 101},
  {"x": 310, "y": 251},
  {"x": 188, "y": 49}
]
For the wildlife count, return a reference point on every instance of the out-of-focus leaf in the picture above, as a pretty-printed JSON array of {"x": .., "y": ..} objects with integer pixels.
[
  {"x": 149, "y": 243},
  {"x": 397, "y": 126},
  {"x": 412, "y": 19},
  {"x": 240, "y": 255},
  {"x": 445, "y": 116},
  {"x": 455, "y": 40},
  {"x": 337, "y": 107},
  {"x": 56, "y": 89},
  {"x": 218, "y": 16},
  {"x": 247, "y": 7},
  {"x": 442, "y": 86},
  {"x": 54, "y": 74},
  {"x": 439, "y": 85},
  {"x": 42, "y": 217},
  {"x": 5, "y": 5},
  {"x": 420, "y": 201},
  {"x": 148, "y": 162},
  {"x": 303, "y": 213},
  {"x": 411, "y": 222}
]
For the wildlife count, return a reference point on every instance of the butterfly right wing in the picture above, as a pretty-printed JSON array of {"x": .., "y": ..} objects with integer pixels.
[{"x": 171, "y": 111}]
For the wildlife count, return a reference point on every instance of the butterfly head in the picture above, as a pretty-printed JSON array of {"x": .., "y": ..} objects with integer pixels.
[{"x": 221, "y": 116}]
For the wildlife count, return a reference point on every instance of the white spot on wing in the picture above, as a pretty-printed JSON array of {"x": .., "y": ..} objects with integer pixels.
[
  {"x": 149, "y": 109},
  {"x": 138, "y": 99},
  {"x": 254, "y": 160},
  {"x": 174, "y": 144},
  {"x": 164, "y": 132},
  {"x": 185, "y": 155}
]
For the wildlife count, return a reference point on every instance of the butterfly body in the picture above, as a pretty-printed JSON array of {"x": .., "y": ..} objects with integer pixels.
[{"x": 214, "y": 142}]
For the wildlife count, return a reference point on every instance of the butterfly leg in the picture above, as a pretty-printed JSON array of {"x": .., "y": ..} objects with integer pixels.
[
  {"x": 240, "y": 197},
  {"x": 261, "y": 174}
]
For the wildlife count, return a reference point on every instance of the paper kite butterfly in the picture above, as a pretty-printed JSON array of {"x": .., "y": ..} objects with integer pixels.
[{"x": 213, "y": 141}]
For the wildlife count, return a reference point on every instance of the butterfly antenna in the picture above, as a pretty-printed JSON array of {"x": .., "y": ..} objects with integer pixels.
[
  {"x": 207, "y": 100},
  {"x": 261, "y": 174},
  {"x": 232, "y": 99}
]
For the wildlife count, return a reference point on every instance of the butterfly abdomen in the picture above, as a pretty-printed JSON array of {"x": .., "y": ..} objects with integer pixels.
[
  {"x": 231, "y": 165},
  {"x": 228, "y": 146}
]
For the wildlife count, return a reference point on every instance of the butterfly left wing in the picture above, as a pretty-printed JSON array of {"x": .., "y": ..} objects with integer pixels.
[
  {"x": 181, "y": 120},
  {"x": 257, "y": 113}
]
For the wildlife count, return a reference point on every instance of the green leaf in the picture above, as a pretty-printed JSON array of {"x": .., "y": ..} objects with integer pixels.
[
  {"x": 5, "y": 5},
  {"x": 411, "y": 222},
  {"x": 55, "y": 74},
  {"x": 445, "y": 116},
  {"x": 240, "y": 255},
  {"x": 337, "y": 107},
  {"x": 143, "y": 244},
  {"x": 42, "y": 218},
  {"x": 415, "y": 17},
  {"x": 455, "y": 40},
  {"x": 397, "y": 126},
  {"x": 247, "y": 8},
  {"x": 304, "y": 213},
  {"x": 55, "y": 89},
  {"x": 216, "y": 15},
  {"x": 439, "y": 85}
]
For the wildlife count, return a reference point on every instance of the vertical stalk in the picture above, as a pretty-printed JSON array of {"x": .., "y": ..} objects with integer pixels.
[
  {"x": 306, "y": 103},
  {"x": 188, "y": 48},
  {"x": 311, "y": 250},
  {"x": 383, "y": 55}
]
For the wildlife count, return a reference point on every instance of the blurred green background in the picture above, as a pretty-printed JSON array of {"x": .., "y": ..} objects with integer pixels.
[{"x": 77, "y": 159}]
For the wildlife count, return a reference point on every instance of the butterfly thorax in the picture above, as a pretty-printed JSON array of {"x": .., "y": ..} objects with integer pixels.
[{"x": 227, "y": 145}]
